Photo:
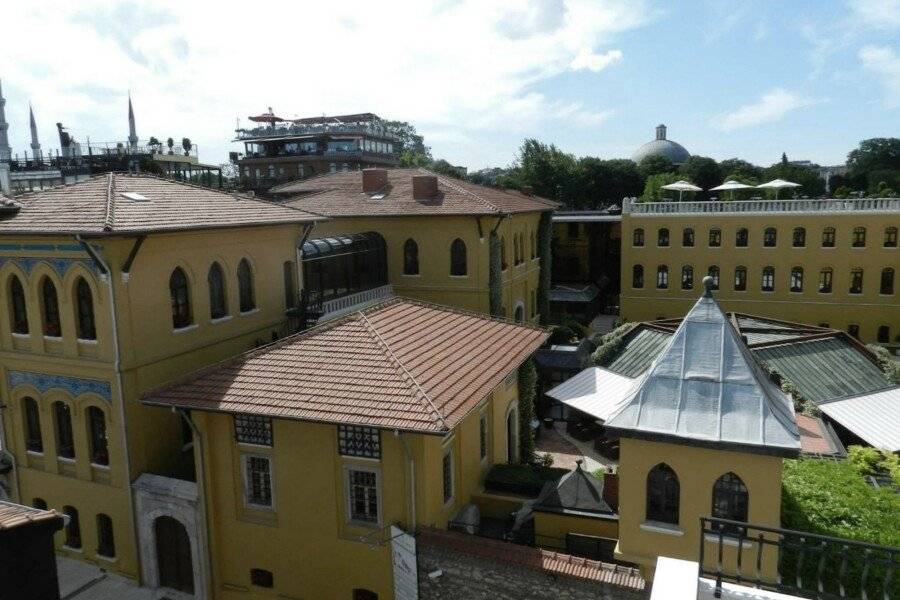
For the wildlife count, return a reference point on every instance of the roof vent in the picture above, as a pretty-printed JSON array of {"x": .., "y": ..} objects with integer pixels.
[
  {"x": 135, "y": 197},
  {"x": 425, "y": 187},
  {"x": 373, "y": 179}
]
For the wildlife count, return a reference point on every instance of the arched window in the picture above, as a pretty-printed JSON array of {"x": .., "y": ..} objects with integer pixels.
[
  {"x": 520, "y": 314},
  {"x": 637, "y": 276},
  {"x": 19, "y": 309},
  {"x": 34, "y": 442},
  {"x": 856, "y": 281},
  {"x": 825, "y": 277},
  {"x": 687, "y": 277},
  {"x": 637, "y": 237},
  {"x": 289, "y": 273},
  {"x": 828, "y": 237},
  {"x": 97, "y": 429},
  {"x": 181, "y": 301},
  {"x": 768, "y": 279},
  {"x": 87, "y": 330},
  {"x": 503, "y": 264},
  {"x": 663, "y": 493},
  {"x": 458, "y": 266},
  {"x": 859, "y": 237},
  {"x": 740, "y": 279},
  {"x": 797, "y": 279},
  {"x": 246, "y": 296},
  {"x": 770, "y": 237},
  {"x": 884, "y": 334},
  {"x": 50, "y": 306},
  {"x": 533, "y": 245},
  {"x": 512, "y": 436},
  {"x": 73, "y": 529},
  {"x": 715, "y": 237},
  {"x": 65, "y": 443},
  {"x": 730, "y": 499},
  {"x": 218, "y": 305},
  {"x": 662, "y": 277},
  {"x": 106, "y": 542},
  {"x": 714, "y": 275},
  {"x": 410, "y": 257},
  {"x": 887, "y": 281},
  {"x": 742, "y": 238},
  {"x": 799, "y": 237},
  {"x": 890, "y": 237},
  {"x": 687, "y": 237},
  {"x": 662, "y": 238}
]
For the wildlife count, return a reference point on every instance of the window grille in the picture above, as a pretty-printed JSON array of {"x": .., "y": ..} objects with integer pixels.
[
  {"x": 253, "y": 429},
  {"x": 258, "y": 482},
  {"x": 363, "y": 495},
  {"x": 663, "y": 495},
  {"x": 359, "y": 441}
]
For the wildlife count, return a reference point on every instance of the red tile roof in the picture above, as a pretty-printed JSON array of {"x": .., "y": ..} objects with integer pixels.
[
  {"x": 341, "y": 195},
  {"x": 551, "y": 562},
  {"x": 15, "y": 515},
  {"x": 814, "y": 438},
  {"x": 100, "y": 206},
  {"x": 401, "y": 364}
]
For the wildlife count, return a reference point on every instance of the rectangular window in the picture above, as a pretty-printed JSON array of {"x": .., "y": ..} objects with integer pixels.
[
  {"x": 362, "y": 491},
  {"x": 262, "y": 578},
  {"x": 258, "y": 480},
  {"x": 482, "y": 436},
  {"x": 447, "y": 473},
  {"x": 253, "y": 429},
  {"x": 364, "y": 442}
]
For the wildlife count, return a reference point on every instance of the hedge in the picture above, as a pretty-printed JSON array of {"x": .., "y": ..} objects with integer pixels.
[{"x": 525, "y": 480}]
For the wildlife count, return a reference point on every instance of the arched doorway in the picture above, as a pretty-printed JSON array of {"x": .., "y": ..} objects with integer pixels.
[
  {"x": 512, "y": 428},
  {"x": 173, "y": 555},
  {"x": 520, "y": 312}
]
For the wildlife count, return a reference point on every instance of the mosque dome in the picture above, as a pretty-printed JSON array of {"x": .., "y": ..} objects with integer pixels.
[{"x": 674, "y": 151}]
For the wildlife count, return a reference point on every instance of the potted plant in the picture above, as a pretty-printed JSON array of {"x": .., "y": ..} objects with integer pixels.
[
  {"x": 187, "y": 145},
  {"x": 170, "y": 143}
]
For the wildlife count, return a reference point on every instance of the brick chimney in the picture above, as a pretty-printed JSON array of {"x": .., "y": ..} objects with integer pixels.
[
  {"x": 425, "y": 187},
  {"x": 611, "y": 490},
  {"x": 374, "y": 179}
]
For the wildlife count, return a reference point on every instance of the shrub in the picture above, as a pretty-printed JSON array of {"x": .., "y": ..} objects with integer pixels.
[
  {"x": 610, "y": 344},
  {"x": 864, "y": 459},
  {"x": 527, "y": 392},
  {"x": 561, "y": 335},
  {"x": 889, "y": 366},
  {"x": 525, "y": 480}
]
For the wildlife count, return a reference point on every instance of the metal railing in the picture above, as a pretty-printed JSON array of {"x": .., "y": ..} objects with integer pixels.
[
  {"x": 764, "y": 206},
  {"x": 294, "y": 129},
  {"x": 808, "y": 565}
]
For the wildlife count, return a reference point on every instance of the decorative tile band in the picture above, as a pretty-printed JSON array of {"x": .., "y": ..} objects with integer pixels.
[
  {"x": 58, "y": 264},
  {"x": 45, "y": 247},
  {"x": 74, "y": 385}
]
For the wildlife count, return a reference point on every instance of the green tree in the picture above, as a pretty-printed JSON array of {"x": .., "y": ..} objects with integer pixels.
[
  {"x": 548, "y": 170},
  {"x": 702, "y": 171},
  {"x": 654, "y": 165},
  {"x": 740, "y": 170},
  {"x": 874, "y": 161},
  {"x": 652, "y": 191},
  {"x": 605, "y": 182},
  {"x": 527, "y": 394},
  {"x": 807, "y": 176},
  {"x": 443, "y": 167}
]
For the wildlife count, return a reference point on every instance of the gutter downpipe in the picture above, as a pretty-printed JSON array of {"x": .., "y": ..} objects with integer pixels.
[
  {"x": 106, "y": 273},
  {"x": 201, "y": 489},
  {"x": 412, "y": 479}
]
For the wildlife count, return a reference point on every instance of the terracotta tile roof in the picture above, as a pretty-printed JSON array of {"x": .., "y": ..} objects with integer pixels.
[
  {"x": 534, "y": 558},
  {"x": 400, "y": 364},
  {"x": 814, "y": 438},
  {"x": 341, "y": 195},
  {"x": 101, "y": 206},
  {"x": 15, "y": 515}
]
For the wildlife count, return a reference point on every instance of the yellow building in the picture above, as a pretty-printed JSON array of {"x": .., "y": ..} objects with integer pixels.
[
  {"x": 110, "y": 287},
  {"x": 312, "y": 448},
  {"x": 703, "y": 434},
  {"x": 830, "y": 262},
  {"x": 439, "y": 233}
]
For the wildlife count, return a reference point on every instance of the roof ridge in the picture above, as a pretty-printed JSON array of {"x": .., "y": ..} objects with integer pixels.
[
  {"x": 397, "y": 362},
  {"x": 108, "y": 220},
  {"x": 469, "y": 313}
]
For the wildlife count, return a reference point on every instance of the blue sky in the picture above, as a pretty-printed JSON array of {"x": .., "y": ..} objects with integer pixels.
[{"x": 730, "y": 79}]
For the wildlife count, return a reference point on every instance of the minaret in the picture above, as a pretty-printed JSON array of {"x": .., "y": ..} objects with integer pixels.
[
  {"x": 35, "y": 144},
  {"x": 5, "y": 150},
  {"x": 132, "y": 130}
]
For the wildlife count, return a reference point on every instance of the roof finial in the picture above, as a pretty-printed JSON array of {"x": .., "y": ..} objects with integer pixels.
[
  {"x": 578, "y": 463},
  {"x": 707, "y": 286}
]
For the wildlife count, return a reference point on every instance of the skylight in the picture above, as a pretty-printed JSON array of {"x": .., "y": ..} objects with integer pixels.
[{"x": 135, "y": 196}]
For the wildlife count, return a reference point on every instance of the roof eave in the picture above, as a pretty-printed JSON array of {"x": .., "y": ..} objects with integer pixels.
[{"x": 654, "y": 436}]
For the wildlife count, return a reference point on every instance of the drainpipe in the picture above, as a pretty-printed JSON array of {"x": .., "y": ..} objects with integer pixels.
[
  {"x": 412, "y": 479},
  {"x": 106, "y": 274},
  {"x": 201, "y": 489}
]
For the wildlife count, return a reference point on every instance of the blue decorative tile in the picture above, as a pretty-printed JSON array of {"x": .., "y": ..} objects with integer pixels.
[
  {"x": 74, "y": 385},
  {"x": 59, "y": 264}
]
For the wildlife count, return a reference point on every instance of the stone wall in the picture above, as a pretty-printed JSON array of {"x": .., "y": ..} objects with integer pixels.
[{"x": 476, "y": 568}]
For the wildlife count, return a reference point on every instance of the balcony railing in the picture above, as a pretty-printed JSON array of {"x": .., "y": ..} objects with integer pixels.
[
  {"x": 299, "y": 130},
  {"x": 808, "y": 565},
  {"x": 347, "y": 304},
  {"x": 764, "y": 206}
]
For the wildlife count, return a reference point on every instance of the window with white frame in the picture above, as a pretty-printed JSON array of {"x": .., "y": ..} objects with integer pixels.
[
  {"x": 253, "y": 429},
  {"x": 448, "y": 475},
  {"x": 363, "y": 442},
  {"x": 362, "y": 495},
  {"x": 257, "y": 480}
]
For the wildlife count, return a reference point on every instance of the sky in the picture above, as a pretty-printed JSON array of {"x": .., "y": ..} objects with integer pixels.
[{"x": 747, "y": 79}]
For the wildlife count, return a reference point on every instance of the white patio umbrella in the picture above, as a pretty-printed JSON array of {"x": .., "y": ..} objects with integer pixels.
[
  {"x": 778, "y": 184},
  {"x": 730, "y": 186},
  {"x": 681, "y": 186}
]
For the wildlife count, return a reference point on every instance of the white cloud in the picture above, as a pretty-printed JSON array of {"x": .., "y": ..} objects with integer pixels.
[
  {"x": 194, "y": 67},
  {"x": 877, "y": 14},
  {"x": 772, "y": 106},
  {"x": 885, "y": 63}
]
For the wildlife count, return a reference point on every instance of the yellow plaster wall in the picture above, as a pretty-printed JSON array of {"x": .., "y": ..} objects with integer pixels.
[
  {"x": 839, "y": 309},
  {"x": 550, "y": 529}
]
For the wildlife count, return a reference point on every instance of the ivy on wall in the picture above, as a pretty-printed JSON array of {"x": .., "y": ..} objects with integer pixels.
[
  {"x": 527, "y": 392},
  {"x": 545, "y": 235},
  {"x": 495, "y": 289}
]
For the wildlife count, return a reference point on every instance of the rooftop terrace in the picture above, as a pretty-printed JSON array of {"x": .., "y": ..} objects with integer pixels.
[{"x": 802, "y": 206}]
